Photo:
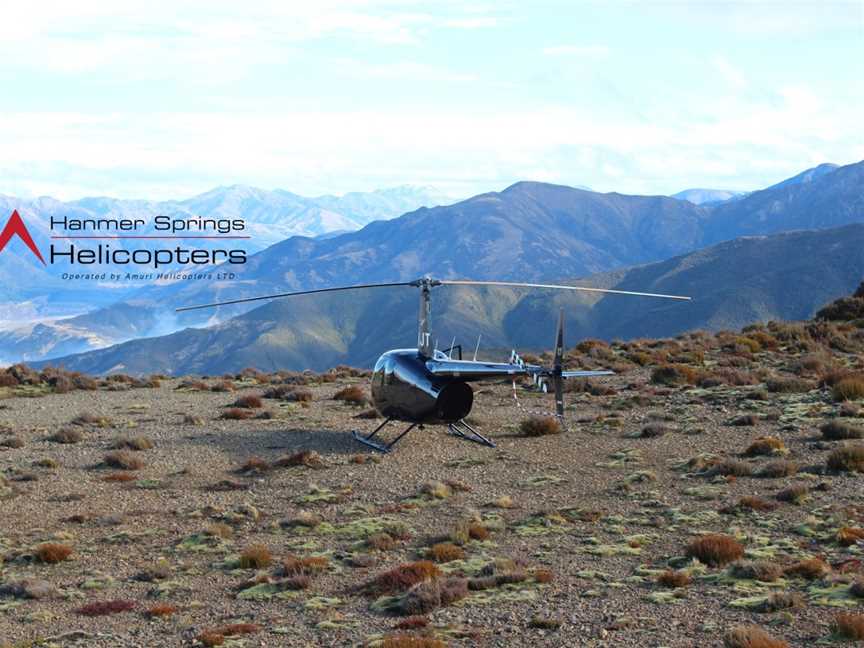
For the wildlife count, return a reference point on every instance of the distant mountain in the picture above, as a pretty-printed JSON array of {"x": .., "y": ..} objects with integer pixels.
[
  {"x": 530, "y": 231},
  {"x": 807, "y": 176},
  {"x": 707, "y": 196},
  {"x": 271, "y": 216},
  {"x": 823, "y": 197},
  {"x": 785, "y": 276}
]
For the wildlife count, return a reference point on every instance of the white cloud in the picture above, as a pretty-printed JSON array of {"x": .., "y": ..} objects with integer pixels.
[{"x": 728, "y": 72}]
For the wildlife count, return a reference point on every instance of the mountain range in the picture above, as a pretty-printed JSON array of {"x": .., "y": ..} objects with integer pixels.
[{"x": 529, "y": 231}]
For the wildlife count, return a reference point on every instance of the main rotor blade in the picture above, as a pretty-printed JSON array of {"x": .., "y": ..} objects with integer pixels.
[
  {"x": 292, "y": 294},
  {"x": 468, "y": 282}
]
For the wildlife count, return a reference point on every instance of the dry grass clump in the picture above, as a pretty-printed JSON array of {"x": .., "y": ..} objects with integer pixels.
[
  {"x": 760, "y": 570},
  {"x": 236, "y": 414},
  {"x": 13, "y": 442},
  {"x": 731, "y": 467},
  {"x": 255, "y": 557},
  {"x": 745, "y": 420},
  {"x": 308, "y": 566},
  {"x": 778, "y": 469},
  {"x": 751, "y": 637},
  {"x": 308, "y": 458},
  {"x": 223, "y": 386},
  {"x": 444, "y": 552},
  {"x": 249, "y": 401},
  {"x": 87, "y": 418},
  {"x": 849, "y": 458},
  {"x": 289, "y": 393},
  {"x": 353, "y": 395},
  {"x": 477, "y": 531},
  {"x": 544, "y": 576},
  {"x": 777, "y": 601},
  {"x": 436, "y": 490},
  {"x": 238, "y": 629},
  {"x": 133, "y": 443},
  {"x": 851, "y": 388},
  {"x": 810, "y": 569},
  {"x": 403, "y": 577},
  {"x": 755, "y": 503},
  {"x": 52, "y": 553},
  {"x": 426, "y": 596},
  {"x": 849, "y": 625},
  {"x": 67, "y": 435},
  {"x": 674, "y": 578},
  {"x": 765, "y": 445},
  {"x": 402, "y": 640},
  {"x": 789, "y": 385},
  {"x": 210, "y": 639},
  {"x": 794, "y": 494},
  {"x": 856, "y": 589},
  {"x": 536, "y": 426},
  {"x": 161, "y": 610},
  {"x": 675, "y": 374},
  {"x": 715, "y": 549},
  {"x": 838, "y": 431},
  {"x": 254, "y": 466},
  {"x": 123, "y": 460},
  {"x": 104, "y": 608},
  {"x": 848, "y": 536},
  {"x": 653, "y": 430},
  {"x": 220, "y": 530}
]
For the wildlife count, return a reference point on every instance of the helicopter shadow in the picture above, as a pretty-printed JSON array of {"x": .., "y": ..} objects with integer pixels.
[{"x": 257, "y": 442}]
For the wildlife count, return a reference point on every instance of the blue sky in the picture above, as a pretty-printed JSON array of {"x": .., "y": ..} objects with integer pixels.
[{"x": 145, "y": 99}]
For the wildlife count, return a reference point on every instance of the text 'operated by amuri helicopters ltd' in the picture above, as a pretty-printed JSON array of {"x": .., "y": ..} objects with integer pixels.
[{"x": 426, "y": 385}]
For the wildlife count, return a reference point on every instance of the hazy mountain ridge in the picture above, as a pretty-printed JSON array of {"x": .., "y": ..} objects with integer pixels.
[{"x": 732, "y": 284}]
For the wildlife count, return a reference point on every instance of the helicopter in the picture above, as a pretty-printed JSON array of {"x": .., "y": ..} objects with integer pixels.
[{"x": 425, "y": 385}]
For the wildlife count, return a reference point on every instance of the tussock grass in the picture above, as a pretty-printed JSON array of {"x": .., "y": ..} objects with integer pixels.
[{"x": 715, "y": 549}]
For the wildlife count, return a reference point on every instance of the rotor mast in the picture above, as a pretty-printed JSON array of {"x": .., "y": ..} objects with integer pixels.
[{"x": 424, "y": 335}]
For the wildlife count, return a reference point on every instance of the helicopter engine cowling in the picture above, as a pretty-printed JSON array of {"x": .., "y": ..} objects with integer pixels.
[{"x": 403, "y": 389}]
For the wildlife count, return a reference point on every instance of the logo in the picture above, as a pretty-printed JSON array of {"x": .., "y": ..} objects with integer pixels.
[{"x": 15, "y": 226}]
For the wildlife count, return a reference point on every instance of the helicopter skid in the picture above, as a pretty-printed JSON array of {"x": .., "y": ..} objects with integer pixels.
[
  {"x": 460, "y": 427},
  {"x": 380, "y": 447}
]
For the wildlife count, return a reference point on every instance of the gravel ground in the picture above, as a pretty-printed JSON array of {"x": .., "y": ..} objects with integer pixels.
[{"x": 604, "y": 509}]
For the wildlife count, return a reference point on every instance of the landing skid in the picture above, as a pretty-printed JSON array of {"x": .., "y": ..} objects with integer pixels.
[
  {"x": 381, "y": 447},
  {"x": 460, "y": 427}
]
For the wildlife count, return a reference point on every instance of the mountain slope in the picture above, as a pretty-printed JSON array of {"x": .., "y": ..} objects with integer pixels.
[{"x": 732, "y": 284}]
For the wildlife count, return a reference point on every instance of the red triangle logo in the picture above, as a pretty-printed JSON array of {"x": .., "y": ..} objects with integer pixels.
[{"x": 16, "y": 226}]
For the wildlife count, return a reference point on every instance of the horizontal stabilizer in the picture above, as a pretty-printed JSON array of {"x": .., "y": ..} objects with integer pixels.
[{"x": 586, "y": 374}]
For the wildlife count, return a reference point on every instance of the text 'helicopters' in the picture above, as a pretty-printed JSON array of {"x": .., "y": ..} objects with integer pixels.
[{"x": 426, "y": 385}]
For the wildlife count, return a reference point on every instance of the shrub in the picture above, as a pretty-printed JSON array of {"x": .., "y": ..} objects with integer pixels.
[
  {"x": 210, "y": 639},
  {"x": 751, "y": 637},
  {"x": 760, "y": 570},
  {"x": 654, "y": 430},
  {"x": 794, "y": 494},
  {"x": 674, "y": 374},
  {"x": 67, "y": 435},
  {"x": 753, "y": 503},
  {"x": 851, "y": 388},
  {"x": 236, "y": 414},
  {"x": 848, "y": 536},
  {"x": 674, "y": 579},
  {"x": 789, "y": 385},
  {"x": 254, "y": 465},
  {"x": 715, "y": 549},
  {"x": 745, "y": 420},
  {"x": 123, "y": 460},
  {"x": 222, "y": 387},
  {"x": 294, "y": 566},
  {"x": 446, "y": 552},
  {"x": 133, "y": 443},
  {"x": 161, "y": 610},
  {"x": 810, "y": 569},
  {"x": 856, "y": 589},
  {"x": 849, "y": 625},
  {"x": 777, "y": 469},
  {"x": 353, "y": 395},
  {"x": 849, "y": 458},
  {"x": 477, "y": 531},
  {"x": 777, "y": 601},
  {"x": 302, "y": 458},
  {"x": 104, "y": 608},
  {"x": 765, "y": 445},
  {"x": 426, "y": 596},
  {"x": 536, "y": 426},
  {"x": 250, "y": 401},
  {"x": 731, "y": 467},
  {"x": 544, "y": 575},
  {"x": 401, "y": 578},
  {"x": 255, "y": 557},
  {"x": 52, "y": 553},
  {"x": 838, "y": 431}
]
